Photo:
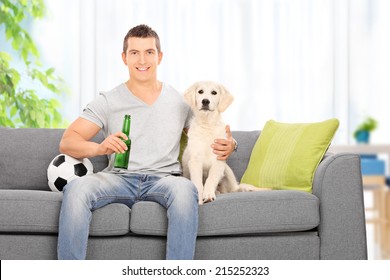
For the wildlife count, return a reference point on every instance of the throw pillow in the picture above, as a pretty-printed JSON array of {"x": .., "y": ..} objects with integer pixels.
[{"x": 286, "y": 155}]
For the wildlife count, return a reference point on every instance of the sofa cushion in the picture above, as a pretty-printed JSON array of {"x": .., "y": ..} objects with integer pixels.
[
  {"x": 286, "y": 155},
  {"x": 27, "y": 152},
  {"x": 26, "y": 211},
  {"x": 238, "y": 213}
]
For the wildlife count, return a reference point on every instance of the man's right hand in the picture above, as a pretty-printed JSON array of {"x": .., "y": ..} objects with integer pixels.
[
  {"x": 113, "y": 144},
  {"x": 76, "y": 140}
]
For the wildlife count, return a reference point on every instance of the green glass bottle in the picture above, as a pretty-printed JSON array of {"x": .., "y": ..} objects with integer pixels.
[{"x": 122, "y": 160}]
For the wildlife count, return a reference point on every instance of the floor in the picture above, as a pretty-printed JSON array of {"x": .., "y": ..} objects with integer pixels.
[{"x": 373, "y": 247}]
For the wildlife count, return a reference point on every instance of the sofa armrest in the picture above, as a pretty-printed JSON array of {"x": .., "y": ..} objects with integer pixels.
[{"x": 338, "y": 185}]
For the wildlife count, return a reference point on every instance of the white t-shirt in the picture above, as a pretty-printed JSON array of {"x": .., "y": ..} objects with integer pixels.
[{"x": 155, "y": 130}]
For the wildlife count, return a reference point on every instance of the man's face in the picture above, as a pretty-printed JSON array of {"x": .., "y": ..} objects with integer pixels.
[{"x": 142, "y": 58}]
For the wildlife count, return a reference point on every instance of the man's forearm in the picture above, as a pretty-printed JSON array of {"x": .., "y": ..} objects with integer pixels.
[{"x": 79, "y": 148}]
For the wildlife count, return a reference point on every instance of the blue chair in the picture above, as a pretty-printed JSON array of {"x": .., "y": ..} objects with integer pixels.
[{"x": 372, "y": 166}]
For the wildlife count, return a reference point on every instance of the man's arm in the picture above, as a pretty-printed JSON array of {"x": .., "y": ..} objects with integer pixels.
[{"x": 76, "y": 141}]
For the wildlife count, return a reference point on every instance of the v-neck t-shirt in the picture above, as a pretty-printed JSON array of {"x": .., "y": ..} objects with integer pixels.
[{"x": 155, "y": 130}]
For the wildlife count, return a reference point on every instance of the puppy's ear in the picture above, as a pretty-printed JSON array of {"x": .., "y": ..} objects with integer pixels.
[
  {"x": 189, "y": 95},
  {"x": 225, "y": 100}
]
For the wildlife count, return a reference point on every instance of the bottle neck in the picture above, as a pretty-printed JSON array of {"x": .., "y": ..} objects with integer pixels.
[{"x": 126, "y": 125}]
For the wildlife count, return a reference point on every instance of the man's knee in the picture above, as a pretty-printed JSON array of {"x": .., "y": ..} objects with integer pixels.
[
  {"x": 78, "y": 188},
  {"x": 184, "y": 185},
  {"x": 182, "y": 189}
]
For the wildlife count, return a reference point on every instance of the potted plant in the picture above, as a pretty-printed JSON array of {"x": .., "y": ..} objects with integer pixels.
[{"x": 362, "y": 132}]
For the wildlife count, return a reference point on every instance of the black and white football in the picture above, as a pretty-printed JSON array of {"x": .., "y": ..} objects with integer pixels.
[{"x": 64, "y": 168}]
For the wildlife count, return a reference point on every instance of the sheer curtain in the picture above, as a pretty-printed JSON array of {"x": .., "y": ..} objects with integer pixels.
[{"x": 287, "y": 60}]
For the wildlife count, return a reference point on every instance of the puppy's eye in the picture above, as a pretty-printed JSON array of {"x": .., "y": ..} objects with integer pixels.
[
  {"x": 214, "y": 92},
  {"x": 200, "y": 91}
]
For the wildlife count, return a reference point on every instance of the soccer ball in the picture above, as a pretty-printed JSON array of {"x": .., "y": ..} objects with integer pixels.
[{"x": 64, "y": 168}]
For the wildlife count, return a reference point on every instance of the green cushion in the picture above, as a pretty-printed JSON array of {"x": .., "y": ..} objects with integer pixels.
[{"x": 286, "y": 155}]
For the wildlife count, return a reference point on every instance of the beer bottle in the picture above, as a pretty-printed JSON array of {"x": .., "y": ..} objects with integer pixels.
[{"x": 122, "y": 160}]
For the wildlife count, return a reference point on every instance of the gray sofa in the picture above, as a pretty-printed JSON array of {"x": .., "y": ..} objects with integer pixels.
[{"x": 328, "y": 224}]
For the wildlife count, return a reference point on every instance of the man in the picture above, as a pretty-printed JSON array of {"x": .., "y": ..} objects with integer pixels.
[{"x": 159, "y": 115}]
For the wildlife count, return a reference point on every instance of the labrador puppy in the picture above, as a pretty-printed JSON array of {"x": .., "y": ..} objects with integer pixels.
[{"x": 207, "y": 100}]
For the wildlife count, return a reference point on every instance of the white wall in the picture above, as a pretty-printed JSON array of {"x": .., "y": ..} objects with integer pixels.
[{"x": 288, "y": 60}]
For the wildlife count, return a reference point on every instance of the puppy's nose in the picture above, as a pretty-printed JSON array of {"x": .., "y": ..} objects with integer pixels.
[{"x": 205, "y": 102}]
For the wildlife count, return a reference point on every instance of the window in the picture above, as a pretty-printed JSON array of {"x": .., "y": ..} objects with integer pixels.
[{"x": 292, "y": 61}]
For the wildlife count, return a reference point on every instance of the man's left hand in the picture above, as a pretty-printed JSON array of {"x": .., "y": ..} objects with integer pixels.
[{"x": 224, "y": 147}]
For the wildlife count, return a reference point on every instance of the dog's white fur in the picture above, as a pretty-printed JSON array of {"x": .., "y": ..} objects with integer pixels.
[{"x": 208, "y": 100}]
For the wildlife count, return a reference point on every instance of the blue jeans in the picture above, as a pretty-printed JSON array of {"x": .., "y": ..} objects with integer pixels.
[{"x": 86, "y": 194}]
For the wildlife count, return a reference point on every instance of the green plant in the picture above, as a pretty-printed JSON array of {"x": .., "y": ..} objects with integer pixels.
[
  {"x": 20, "y": 106},
  {"x": 369, "y": 124}
]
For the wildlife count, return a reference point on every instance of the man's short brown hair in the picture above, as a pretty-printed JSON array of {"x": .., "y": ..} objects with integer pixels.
[{"x": 142, "y": 31}]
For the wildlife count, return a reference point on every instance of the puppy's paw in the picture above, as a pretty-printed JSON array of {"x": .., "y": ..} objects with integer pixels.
[
  {"x": 250, "y": 188},
  {"x": 200, "y": 198},
  {"x": 245, "y": 188},
  {"x": 208, "y": 196}
]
